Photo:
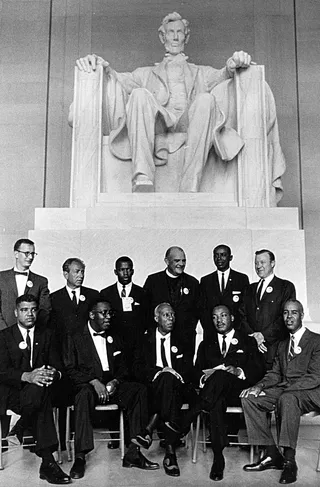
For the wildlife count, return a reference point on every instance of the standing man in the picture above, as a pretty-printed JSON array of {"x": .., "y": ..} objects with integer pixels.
[
  {"x": 227, "y": 362},
  {"x": 21, "y": 280},
  {"x": 223, "y": 286},
  {"x": 166, "y": 367},
  {"x": 30, "y": 369},
  {"x": 129, "y": 304},
  {"x": 262, "y": 307},
  {"x": 70, "y": 304},
  {"x": 181, "y": 290},
  {"x": 292, "y": 387},
  {"x": 97, "y": 367}
]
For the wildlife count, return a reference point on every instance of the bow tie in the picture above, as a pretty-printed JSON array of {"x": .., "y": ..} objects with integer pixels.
[
  {"x": 102, "y": 334},
  {"x": 18, "y": 273}
]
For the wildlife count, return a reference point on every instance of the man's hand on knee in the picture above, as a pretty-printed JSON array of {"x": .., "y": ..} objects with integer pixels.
[{"x": 254, "y": 391}]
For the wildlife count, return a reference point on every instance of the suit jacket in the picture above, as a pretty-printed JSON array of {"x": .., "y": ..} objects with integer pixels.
[
  {"x": 266, "y": 316},
  {"x": 145, "y": 367},
  {"x": 14, "y": 361},
  {"x": 9, "y": 294},
  {"x": 186, "y": 310},
  {"x": 82, "y": 361},
  {"x": 302, "y": 372},
  {"x": 127, "y": 323},
  {"x": 211, "y": 296},
  {"x": 65, "y": 316},
  {"x": 243, "y": 354}
]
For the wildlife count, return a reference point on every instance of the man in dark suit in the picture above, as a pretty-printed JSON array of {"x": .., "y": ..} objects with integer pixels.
[
  {"x": 223, "y": 286},
  {"x": 166, "y": 366},
  {"x": 21, "y": 280},
  {"x": 70, "y": 304},
  {"x": 227, "y": 362},
  {"x": 181, "y": 290},
  {"x": 96, "y": 365},
  {"x": 292, "y": 387},
  {"x": 262, "y": 306},
  {"x": 129, "y": 304},
  {"x": 30, "y": 368}
]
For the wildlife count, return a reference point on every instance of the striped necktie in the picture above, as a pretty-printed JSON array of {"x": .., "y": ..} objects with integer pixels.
[{"x": 291, "y": 348}]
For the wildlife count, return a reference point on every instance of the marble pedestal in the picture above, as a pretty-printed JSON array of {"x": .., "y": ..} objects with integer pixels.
[{"x": 143, "y": 226}]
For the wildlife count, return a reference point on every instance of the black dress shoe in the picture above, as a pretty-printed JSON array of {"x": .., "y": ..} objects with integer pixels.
[
  {"x": 217, "y": 468},
  {"x": 53, "y": 474},
  {"x": 265, "y": 463},
  {"x": 170, "y": 465},
  {"x": 78, "y": 468},
  {"x": 289, "y": 474},
  {"x": 113, "y": 444},
  {"x": 139, "y": 461},
  {"x": 143, "y": 440}
]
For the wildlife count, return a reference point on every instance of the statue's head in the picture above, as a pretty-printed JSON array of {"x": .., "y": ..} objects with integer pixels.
[{"x": 174, "y": 33}]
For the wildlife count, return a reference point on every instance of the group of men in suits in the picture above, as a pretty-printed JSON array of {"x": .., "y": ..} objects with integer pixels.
[{"x": 136, "y": 345}]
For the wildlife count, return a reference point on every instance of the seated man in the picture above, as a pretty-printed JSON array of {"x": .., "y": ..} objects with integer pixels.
[
  {"x": 292, "y": 386},
  {"x": 166, "y": 367},
  {"x": 96, "y": 365},
  {"x": 29, "y": 370},
  {"x": 173, "y": 96},
  {"x": 227, "y": 362}
]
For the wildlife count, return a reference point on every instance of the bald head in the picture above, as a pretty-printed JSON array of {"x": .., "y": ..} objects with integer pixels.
[{"x": 175, "y": 260}]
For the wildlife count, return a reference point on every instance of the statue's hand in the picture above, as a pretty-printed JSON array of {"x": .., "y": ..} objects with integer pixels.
[
  {"x": 90, "y": 63},
  {"x": 239, "y": 59}
]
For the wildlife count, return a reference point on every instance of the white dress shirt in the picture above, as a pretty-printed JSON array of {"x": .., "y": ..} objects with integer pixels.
[
  {"x": 127, "y": 287},
  {"x": 228, "y": 339},
  {"x": 226, "y": 277},
  {"x": 70, "y": 292},
  {"x": 266, "y": 283},
  {"x": 21, "y": 281},
  {"x": 297, "y": 337},
  {"x": 24, "y": 336},
  {"x": 101, "y": 347},
  {"x": 167, "y": 346}
]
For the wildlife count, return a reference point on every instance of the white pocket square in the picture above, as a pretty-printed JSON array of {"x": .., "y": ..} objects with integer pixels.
[
  {"x": 116, "y": 353},
  {"x": 136, "y": 304},
  {"x": 239, "y": 351},
  {"x": 179, "y": 356}
]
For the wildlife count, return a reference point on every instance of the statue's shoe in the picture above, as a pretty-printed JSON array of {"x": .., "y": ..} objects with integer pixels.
[{"x": 142, "y": 184}]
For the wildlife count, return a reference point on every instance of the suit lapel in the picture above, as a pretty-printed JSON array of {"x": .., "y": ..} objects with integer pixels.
[
  {"x": 89, "y": 341},
  {"x": 12, "y": 284},
  {"x": 229, "y": 281},
  {"x": 31, "y": 278},
  {"x": 38, "y": 340},
  {"x": 18, "y": 338}
]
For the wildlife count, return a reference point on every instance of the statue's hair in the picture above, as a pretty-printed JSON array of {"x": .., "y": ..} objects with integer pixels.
[{"x": 171, "y": 18}]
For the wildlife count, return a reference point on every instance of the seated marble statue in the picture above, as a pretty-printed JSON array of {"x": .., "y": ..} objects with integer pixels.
[{"x": 174, "y": 96}]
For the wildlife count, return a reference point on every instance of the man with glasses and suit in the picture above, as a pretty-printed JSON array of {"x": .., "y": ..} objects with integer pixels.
[{"x": 21, "y": 280}]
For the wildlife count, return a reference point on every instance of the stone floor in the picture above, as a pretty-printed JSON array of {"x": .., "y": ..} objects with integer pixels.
[{"x": 104, "y": 468}]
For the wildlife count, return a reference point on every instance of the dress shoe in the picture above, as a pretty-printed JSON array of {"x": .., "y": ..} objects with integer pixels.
[
  {"x": 113, "y": 444},
  {"x": 144, "y": 440},
  {"x": 217, "y": 468},
  {"x": 139, "y": 461},
  {"x": 52, "y": 473},
  {"x": 265, "y": 463},
  {"x": 170, "y": 465},
  {"x": 289, "y": 473},
  {"x": 78, "y": 468}
]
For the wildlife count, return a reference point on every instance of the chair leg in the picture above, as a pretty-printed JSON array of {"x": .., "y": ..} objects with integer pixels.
[
  {"x": 121, "y": 434},
  {"x": 195, "y": 441},
  {"x": 56, "y": 424},
  {"x": 1, "y": 465},
  {"x": 251, "y": 453},
  {"x": 68, "y": 434},
  {"x": 204, "y": 433}
]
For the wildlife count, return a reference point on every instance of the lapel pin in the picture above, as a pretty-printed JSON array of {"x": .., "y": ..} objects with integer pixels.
[
  {"x": 82, "y": 297},
  {"x": 109, "y": 339},
  {"x": 269, "y": 289},
  {"x": 234, "y": 341},
  {"x": 235, "y": 298},
  {"x": 29, "y": 283},
  {"x": 298, "y": 350},
  {"x": 185, "y": 290},
  {"x": 22, "y": 345},
  {"x": 174, "y": 349}
]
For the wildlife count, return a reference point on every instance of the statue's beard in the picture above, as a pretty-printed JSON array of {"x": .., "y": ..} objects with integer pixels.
[{"x": 174, "y": 49}]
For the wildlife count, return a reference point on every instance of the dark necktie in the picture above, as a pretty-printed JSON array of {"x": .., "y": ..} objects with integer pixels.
[
  {"x": 101, "y": 334},
  {"x": 74, "y": 298},
  {"x": 291, "y": 348},
  {"x": 123, "y": 292},
  {"x": 163, "y": 353},
  {"x": 222, "y": 283},
  {"x": 18, "y": 273},
  {"x": 28, "y": 342},
  {"x": 224, "y": 346},
  {"x": 259, "y": 290}
]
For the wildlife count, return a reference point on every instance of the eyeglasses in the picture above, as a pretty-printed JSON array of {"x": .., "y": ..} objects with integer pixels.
[{"x": 28, "y": 254}]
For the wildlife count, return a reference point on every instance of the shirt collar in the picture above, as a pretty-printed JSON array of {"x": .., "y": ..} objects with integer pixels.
[
  {"x": 70, "y": 291},
  {"x": 159, "y": 335},
  {"x": 229, "y": 335},
  {"x": 298, "y": 334},
  {"x": 267, "y": 280},
  {"x": 23, "y": 331},
  {"x": 127, "y": 287},
  {"x": 171, "y": 275},
  {"x": 17, "y": 270},
  {"x": 226, "y": 273}
]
